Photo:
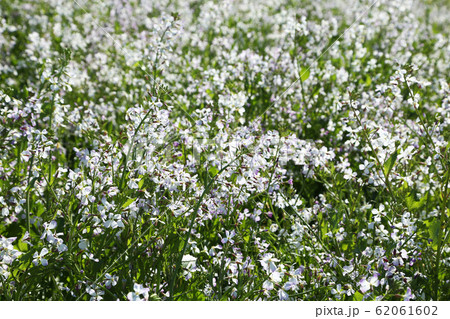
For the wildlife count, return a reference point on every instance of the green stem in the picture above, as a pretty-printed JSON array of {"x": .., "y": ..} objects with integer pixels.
[{"x": 191, "y": 224}]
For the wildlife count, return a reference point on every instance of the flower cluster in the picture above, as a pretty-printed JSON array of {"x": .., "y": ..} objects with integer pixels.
[{"x": 224, "y": 150}]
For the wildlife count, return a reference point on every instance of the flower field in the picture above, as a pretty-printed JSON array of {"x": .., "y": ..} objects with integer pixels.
[{"x": 224, "y": 150}]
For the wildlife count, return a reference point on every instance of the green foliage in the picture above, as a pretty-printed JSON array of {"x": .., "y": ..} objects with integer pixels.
[{"x": 265, "y": 153}]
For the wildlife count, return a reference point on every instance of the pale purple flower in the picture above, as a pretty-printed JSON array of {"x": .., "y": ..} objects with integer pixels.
[
  {"x": 338, "y": 291},
  {"x": 228, "y": 237},
  {"x": 409, "y": 295},
  {"x": 110, "y": 280},
  {"x": 268, "y": 285},
  {"x": 268, "y": 262},
  {"x": 95, "y": 293},
  {"x": 139, "y": 294},
  {"x": 366, "y": 285},
  {"x": 48, "y": 230},
  {"x": 283, "y": 295},
  {"x": 39, "y": 258}
]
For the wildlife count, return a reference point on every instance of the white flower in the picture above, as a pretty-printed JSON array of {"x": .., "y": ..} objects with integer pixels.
[
  {"x": 83, "y": 244},
  {"x": 188, "y": 261},
  {"x": 366, "y": 285},
  {"x": 378, "y": 213},
  {"x": 95, "y": 293},
  {"x": 138, "y": 291},
  {"x": 349, "y": 174},
  {"x": 338, "y": 291},
  {"x": 26, "y": 237},
  {"x": 189, "y": 265},
  {"x": 283, "y": 295},
  {"x": 397, "y": 261},
  {"x": 241, "y": 180},
  {"x": 276, "y": 276},
  {"x": 268, "y": 285},
  {"x": 273, "y": 228},
  {"x": 348, "y": 269},
  {"x": 7, "y": 252},
  {"x": 365, "y": 167},
  {"x": 133, "y": 183},
  {"x": 268, "y": 262},
  {"x": 61, "y": 246},
  {"x": 39, "y": 258},
  {"x": 5, "y": 211},
  {"x": 228, "y": 237},
  {"x": 48, "y": 231},
  {"x": 292, "y": 284},
  {"x": 85, "y": 195},
  {"x": 110, "y": 280},
  {"x": 408, "y": 296},
  {"x": 6, "y": 243}
]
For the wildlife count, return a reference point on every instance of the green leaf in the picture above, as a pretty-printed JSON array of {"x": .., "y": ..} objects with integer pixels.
[
  {"x": 128, "y": 202},
  {"x": 434, "y": 231},
  {"x": 358, "y": 296},
  {"x": 410, "y": 202},
  {"x": 304, "y": 74},
  {"x": 210, "y": 93},
  {"x": 31, "y": 185},
  {"x": 154, "y": 297},
  {"x": 414, "y": 204},
  {"x": 389, "y": 164},
  {"x": 213, "y": 171},
  {"x": 323, "y": 225}
]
